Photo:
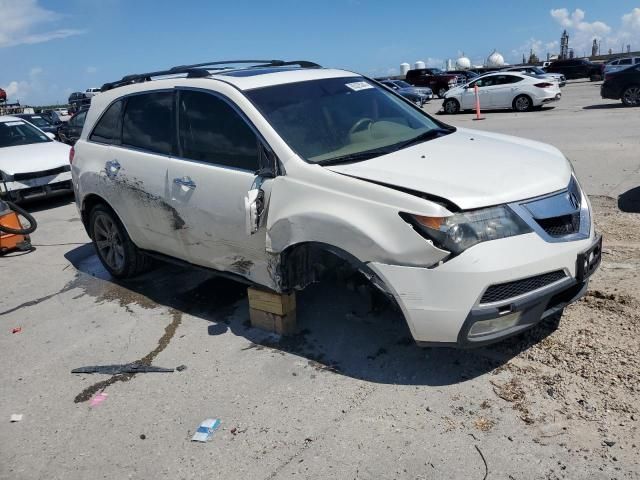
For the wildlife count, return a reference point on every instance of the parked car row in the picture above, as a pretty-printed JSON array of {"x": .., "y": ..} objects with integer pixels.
[
  {"x": 417, "y": 95},
  {"x": 519, "y": 91}
]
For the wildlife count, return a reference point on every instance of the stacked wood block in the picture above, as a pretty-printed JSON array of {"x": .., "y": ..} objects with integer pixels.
[{"x": 274, "y": 312}]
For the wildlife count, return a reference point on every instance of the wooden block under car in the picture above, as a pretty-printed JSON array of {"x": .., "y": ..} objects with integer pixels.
[
  {"x": 280, "y": 324},
  {"x": 278, "y": 303},
  {"x": 272, "y": 311}
]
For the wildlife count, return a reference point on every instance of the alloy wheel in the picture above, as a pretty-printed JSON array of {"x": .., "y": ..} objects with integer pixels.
[
  {"x": 631, "y": 96},
  {"x": 109, "y": 242},
  {"x": 522, "y": 104}
]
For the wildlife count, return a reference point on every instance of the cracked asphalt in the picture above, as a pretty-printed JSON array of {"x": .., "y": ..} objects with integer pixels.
[{"x": 349, "y": 396}]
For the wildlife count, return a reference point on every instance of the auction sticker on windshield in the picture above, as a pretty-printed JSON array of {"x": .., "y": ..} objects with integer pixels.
[{"x": 357, "y": 86}]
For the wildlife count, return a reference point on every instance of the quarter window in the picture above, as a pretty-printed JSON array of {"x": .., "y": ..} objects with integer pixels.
[
  {"x": 148, "y": 122},
  {"x": 108, "y": 128},
  {"x": 212, "y": 131}
]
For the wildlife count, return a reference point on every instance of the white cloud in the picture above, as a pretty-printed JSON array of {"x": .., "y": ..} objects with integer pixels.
[
  {"x": 24, "y": 90},
  {"x": 21, "y": 21}
]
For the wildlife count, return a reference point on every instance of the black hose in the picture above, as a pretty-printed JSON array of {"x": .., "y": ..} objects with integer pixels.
[{"x": 25, "y": 231}]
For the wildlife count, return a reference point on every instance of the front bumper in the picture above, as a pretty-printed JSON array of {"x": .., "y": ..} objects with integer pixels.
[
  {"x": 50, "y": 185},
  {"x": 442, "y": 304}
]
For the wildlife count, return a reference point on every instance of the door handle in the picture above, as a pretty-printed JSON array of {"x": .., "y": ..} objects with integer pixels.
[
  {"x": 185, "y": 182},
  {"x": 112, "y": 167}
]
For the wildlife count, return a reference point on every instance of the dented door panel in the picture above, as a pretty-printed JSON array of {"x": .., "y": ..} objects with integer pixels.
[
  {"x": 214, "y": 233},
  {"x": 138, "y": 191}
]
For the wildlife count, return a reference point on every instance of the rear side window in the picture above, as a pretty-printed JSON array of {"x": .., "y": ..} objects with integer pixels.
[
  {"x": 148, "y": 122},
  {"x": 625, "y": 61},
  {"x": 108, "y": 128},
  {"x": 211, "y": 131}
]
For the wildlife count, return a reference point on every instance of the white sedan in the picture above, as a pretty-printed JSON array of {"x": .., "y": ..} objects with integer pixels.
[
  {"x": 518, "y": 91},
  {"x": 32, "y": 164}
]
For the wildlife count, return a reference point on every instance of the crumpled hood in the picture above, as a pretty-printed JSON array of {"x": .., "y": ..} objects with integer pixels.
[
  {"x": 470, "y": 168},
  {"x": 33, "y": 158}
]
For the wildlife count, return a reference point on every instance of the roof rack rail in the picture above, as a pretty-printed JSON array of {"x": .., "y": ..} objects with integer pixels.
[{"x": 199, "y": 70}]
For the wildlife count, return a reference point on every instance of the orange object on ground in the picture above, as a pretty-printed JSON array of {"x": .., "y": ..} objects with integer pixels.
[{"x": 11, "y": 240}]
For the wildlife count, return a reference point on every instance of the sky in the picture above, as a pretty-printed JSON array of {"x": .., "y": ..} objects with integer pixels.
[{"x": 50, "y": 48}]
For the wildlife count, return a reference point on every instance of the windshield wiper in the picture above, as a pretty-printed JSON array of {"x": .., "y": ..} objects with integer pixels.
[
  {"x": 423, "y": 137},
  {"x": 355, "y": 157}
]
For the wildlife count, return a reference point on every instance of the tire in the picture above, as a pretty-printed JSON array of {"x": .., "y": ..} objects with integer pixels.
[
  {"x": 117, "y": 253},
  {"x": 522, "y": 103},
  {"x": 442, "y": 92},
  {"x": 631, "y": 96},
  {"x": 451, "y": 106}
]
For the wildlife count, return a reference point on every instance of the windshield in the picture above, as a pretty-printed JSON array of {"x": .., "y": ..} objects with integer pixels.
[
  {"x": 38, "y": 122},
  {"x": 17, "y": 132},
  {"x": 341, "y": 119},
  {"x": 402, "y": 84}
]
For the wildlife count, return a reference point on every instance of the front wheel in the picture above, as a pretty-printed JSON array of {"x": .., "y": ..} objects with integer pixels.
[
  {"x": 631, "y": 96},
  {"x": 451, "y": 106},
  {"x": 522, "y": 103},
  {"x": 118, "y": 254}
]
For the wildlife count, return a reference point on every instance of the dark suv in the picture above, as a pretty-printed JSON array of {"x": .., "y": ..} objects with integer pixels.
[
  {"x": 434, "y": 78},
  {"x": 576, "y": 68},
  {"x": 623, "y": 85}
]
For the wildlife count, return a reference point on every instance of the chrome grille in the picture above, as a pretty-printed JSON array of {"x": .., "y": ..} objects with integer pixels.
[
  {"x": 560, "y": 226},
  {"x": 505, "y": 291}
]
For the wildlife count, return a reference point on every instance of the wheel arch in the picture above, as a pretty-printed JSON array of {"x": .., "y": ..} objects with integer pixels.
[
  {"x": 304, "y": 263},
  {"x": 88, "y": 203}
]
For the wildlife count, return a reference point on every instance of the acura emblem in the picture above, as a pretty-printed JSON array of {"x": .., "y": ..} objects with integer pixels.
[{"x": 573, "y": 200}]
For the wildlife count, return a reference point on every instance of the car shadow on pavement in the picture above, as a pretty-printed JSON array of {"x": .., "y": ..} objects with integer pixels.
[
  {"x": 544, "y": 108},
  {"x": 604, "y": 106},
  {"x": 338, "y": 330},
  {"x": 629, "y": 201}
]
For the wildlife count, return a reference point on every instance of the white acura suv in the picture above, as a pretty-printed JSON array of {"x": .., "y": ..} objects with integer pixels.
[{"x": 271, "y": 172}]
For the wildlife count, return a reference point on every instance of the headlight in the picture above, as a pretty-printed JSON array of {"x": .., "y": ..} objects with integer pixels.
[{"x": 466, "y": 229}]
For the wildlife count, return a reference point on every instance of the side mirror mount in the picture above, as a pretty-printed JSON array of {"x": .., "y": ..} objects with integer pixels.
[
  {"x": 266, "y": 172},
  {"x": 50, "y": 135}
]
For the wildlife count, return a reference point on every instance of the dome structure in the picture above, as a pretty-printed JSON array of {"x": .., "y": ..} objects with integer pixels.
[
  {"x": 463, "y": 63},
  {"x": 404, "y": 68},
  {"x": 495, "y": 60},
  {"x": 419, "y": 64}
]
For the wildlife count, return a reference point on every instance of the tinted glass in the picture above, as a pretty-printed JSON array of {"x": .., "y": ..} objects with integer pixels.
[
  {"x": 625, "y": 61},
  {"x": 338, "y": 119},
  {"x": 108, "y": 128},
  {"x": 148, "y": 122},
  {"x": 212, "y": 131},
  {"x": 78, "y": 120},
  {"x": 17, "y": 132}
]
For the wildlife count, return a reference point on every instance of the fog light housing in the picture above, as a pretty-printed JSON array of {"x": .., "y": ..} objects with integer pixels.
[{"x": 494, "y": 325}]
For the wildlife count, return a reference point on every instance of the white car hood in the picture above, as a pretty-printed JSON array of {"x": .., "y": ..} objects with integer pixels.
[
  {"x": 33, "y": 158},
  {"x": 470, "y": 168}
]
